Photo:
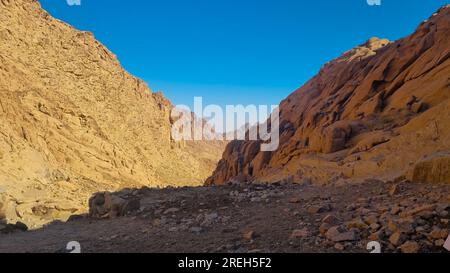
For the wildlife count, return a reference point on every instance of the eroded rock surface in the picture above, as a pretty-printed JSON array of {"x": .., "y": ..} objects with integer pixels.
[
  {"x": 375, "y": 111},
  {"x": 73, "y": 122}
]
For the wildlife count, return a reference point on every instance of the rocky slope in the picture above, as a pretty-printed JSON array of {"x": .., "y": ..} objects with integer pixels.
[
  {"x": 73, "y": 122},
  {"x": 381, "y": 109}
]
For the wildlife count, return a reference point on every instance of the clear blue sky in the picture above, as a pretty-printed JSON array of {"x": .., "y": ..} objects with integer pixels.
[{"x": 236, "y": 51}]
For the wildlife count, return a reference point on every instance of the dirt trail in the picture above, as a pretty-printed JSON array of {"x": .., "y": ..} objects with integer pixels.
[{"x": 260, "y": 218}]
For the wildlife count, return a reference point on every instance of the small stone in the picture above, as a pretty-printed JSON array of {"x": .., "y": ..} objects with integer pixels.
[
  {"x": 407, "y": 225},
  {"x": 324, "y": 228},
  {"x": 410, "y": 247},
  {"x": 418, "y": 210},
  {"x": 196, "y": 229},
  {"x": 438, "y": 233},
  {"x": 376, "y": 236},
  {"x": 404, "y": 225},
  {"x": 351, "y": 207},
  {"x": 396, "y": 210},
  {"x": 371, "y": 219},
  {"x": 249, "y": 235},
  {"x": 375, "y": 226},
  {"x": 397, "y": 238},
  {"x": 339, "y": 247},
  {"x": 420, "y": 229},
  {"x": 392, "y": 226},
  {"x": 171, "y": 211},
  {"x": 340, "y": 234},
  {"x": 255, "y": 251},
  {"x": 156, "y": 222},
  {"x": 319, "y": 209},
  {"x": 295, "y": 200},
  {"x": 439, "y": 243},
  {"x": 357, "y": 223},
  {"x": 300, "y": 233},
  {"x": 173, "y": 229},
  {"x": 426, "y": 215},
  {"x": 331, "y": 220}
]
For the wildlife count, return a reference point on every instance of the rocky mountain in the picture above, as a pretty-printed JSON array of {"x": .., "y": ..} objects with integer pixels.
[
  {"x": 73, "y": 122},
  {"x": 381, "y": 110}
]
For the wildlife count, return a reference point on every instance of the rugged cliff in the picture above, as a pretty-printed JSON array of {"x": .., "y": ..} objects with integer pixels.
[
  {"x": 381, "y": 110},
  {"x": 73, "y": 122}
]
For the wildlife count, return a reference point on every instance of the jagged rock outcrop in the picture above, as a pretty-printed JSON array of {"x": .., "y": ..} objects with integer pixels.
[
  {"x": 373, "y": 112},
  {"x": 73, "y": 122}
]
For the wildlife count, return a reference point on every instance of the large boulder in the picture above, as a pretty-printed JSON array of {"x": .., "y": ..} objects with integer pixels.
[
  {"x": 433, "y": 169},
  {"x": 107, "y": 205}
]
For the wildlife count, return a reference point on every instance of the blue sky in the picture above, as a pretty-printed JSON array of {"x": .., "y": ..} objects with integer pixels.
[{"x": 236, "y": 51}]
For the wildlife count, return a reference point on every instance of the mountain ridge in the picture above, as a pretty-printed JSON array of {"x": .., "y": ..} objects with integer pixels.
[
  {"x": 348, "y": 121},
  {"x": 74, "y": 122}
]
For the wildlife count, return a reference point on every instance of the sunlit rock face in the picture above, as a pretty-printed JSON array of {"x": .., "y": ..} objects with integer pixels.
[
  {"x": 373, "y": 112},
  {"x": 73, "y": 122}
]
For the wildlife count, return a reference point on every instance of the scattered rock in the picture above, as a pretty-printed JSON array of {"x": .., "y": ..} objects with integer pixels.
[
  {"x": 439, "y": 243},
  {"x": 438, "y": 233},
  {"x": 396, "y": 210},
  {"x": 357, "y": 223},
  {"x": 295, "y": 201},
  {"x": 331, "y": 220},
  {"x": 340, "y": 234},
  {"x": 300, "y": 233},
  {"x": 339, "y": 247},
  {"x": 371, "y": 219},
  {"x": 323, "y": 229},
  {"x": 171, "y": 211},
  {"x": 397, "y": 238},
  {"x": 375, "y": 226},
  {"x": 410, "y": 247},
  {"x": 320, "y": 209},
  {"x": 418, "y": 210},
  {"x": 196, "y": 229},
  {"x": 249, "y": 235},
  {"x": 377, "y": 236}
]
